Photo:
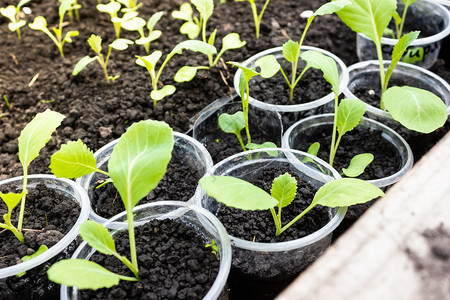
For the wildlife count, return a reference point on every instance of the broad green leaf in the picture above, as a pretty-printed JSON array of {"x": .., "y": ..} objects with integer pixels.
[
  {"x": 69, "y": 35},
  {"x": 237, "y": 193},
  {"x": 232, "y": 123},
  {"x": 95, "y": 42},
  {"x": 154, "y": 19},
  {"x": 232, "y": 41},
  {"x": 326, "y": 64},
  {"x": 134, "y": 24},
  {"x": 83, "y": 274},
  {"x": 399, "y": 50},
  {"x": 185, "y": 12},
  {"x": 111, "y": 8},
  {"x": 204, "y": 7},
  {"x": 414, "y": 108},
  {"x": 248, "y": 73},
  {"x": 369, "y": 17},
  {"x": 254, "y": 146},
  {"x": 39, "y": 23},
  {"x": 82, "y": 63},
  {"x": 191, "y": 29},
  {"x": 42, "y": 249},
  {"x": 121, "y": 44},
  {"x": 268, "y": 65},
  {"x": 98, "y": 237},
  {"x": 9, "y": 12},
  {"x": 11, "y": 199},
  {"x": 346, "y": 192},
  {"x": 73, "y": 160},
  {"x": 64, "y": 7},
  {"x": 331, "y": 7},
  {"x": 358, "y": 164},
  {"x": 290, "y": 50},
  {"x": 149, "y": 61},
  {"x": 165, "y": 91},
  {"x": 193, "y": 45},
  {"x": 284, "y": 189},
  {"x": 14, "y": 26},
  {"x": 36, "y": 134},
  {"x": 313, "y": 150},
  {"x": 187, "y": 73},
  {"x": 139, "y": 160},
  {"x": 350, "y": 112},
  {"x": 212, "y": 38}
]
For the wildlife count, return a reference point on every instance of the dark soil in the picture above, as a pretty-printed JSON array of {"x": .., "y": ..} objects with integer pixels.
[
  {"x": 42, "y": 205},
  {"x": 173, "y": 264}
]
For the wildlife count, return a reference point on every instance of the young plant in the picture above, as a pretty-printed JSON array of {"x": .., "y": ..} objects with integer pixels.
[
  {"x": 238, "y": 193},
  {"x": 399, "y": 21},
  {"x": 130, "y": 5},
  {"x": 257, "y": 17},
  {"x": 73, "y": 10},
  {"x": 138, "y": 24},
  {"x": 96, "y": 44},
  {"x": 150, "y": 61},
  {"x": 113, "y": 8},
  {"x": 12, "y": 13},
  {"x": 40, "y": 23},
  {"x": 31, "y": 140},
  {"x": 414, "y": 108},
  {"x": 192, "y": 25},
  {"x": 137, "y": 164}
]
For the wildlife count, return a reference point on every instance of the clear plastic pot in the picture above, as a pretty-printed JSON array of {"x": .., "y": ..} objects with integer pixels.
[
  {"x": 276, "y": 261},
  {"x": 65, "y": 187},
  {"x": 203, "y": 221},
  {"x": 297, "y": 111},
  {"x": 294, "y": 133},
  {"x": 423, "y": 51},
  {"x": 186, "y": 151}
]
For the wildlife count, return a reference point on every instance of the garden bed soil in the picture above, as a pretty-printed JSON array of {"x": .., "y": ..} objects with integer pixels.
[
  {"x": 173, "y": 264},
  {"x": 48, "y": 217}
]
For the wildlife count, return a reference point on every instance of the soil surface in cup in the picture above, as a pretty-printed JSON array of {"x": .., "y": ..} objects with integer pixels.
[
  {"x": 173, "y": 264},
  {"x": 179, "y": 184},
  {"x": 48, "y": 217}
]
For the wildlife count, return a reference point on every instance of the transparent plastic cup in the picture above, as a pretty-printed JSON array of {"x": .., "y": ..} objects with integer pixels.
[
  {"x": 206, "y": 224},
  {"x": 186, "y": 151},
  {"x": 62, "y": 186},
  {"x": 422, "y": 52}
]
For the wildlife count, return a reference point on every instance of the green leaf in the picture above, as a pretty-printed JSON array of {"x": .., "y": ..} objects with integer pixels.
[
  {"x": 248, "y": 73},
  {"x": 268, "y": 65},
  {"x": 98, "y": 237},
  {"x": 358, "y": 164},
  {"x": 69, "y": 35},
  {"x": 232, "y": 41},
  {"x": 95, "y": 42},
  {"x": 152, "y": 37},
  {"x": 212, "y": 38},
  {"x": 193, "y": 45},
  {"x": 400, "y": 48},
  {"x": 73, "y": 160},
  {"x": 82, "y": 63},
  {"x": 22, "y": 3},
  {"x": 64, "y": 7},
  {"x": 134, "y": 24},
  {"x": 14, "y": 26},
  {"x": 313, "y": 150},
  {"x": 42, "y": 249},
  {"x": 388, "y": 32},
  {"x": 185, "y": 12},
  {"x": 409, "y": 2},
  {"x": 111, "y": 8},
  {"x": 235, "y": 192},
  {"x": 346, "y": 192},
  {"x": 284, "y": 189},
  {"x": 191, "y": 29},
  {"x": 149, "y": 62},
  {"x": 326, "y": 64},
  {"x": 83, "y": 274},
  {"x": 126, "y": 17},
  {"x": 165, "y": 91},
  {"x": 187, "y": 73},
  {"x": 331, "y": 7},
  {"x": 350, "y": 112},
  {"x": 154, "y": 19},
  {"x": 290, "y": 50},
  {"x": 11, "y": 199},
  {"x": 397, "y": 18},
  {"x": 232, "y": 123},
  {"x": 204, "y": 7},
  {"x": 414, "y": 108},
  {"x": 36, "y": 134},
  {"x": 121, "y": 44},
  {"x": 39, "y": 23},
  {"x": 254, "y": 146},
  {"x": 9, "y": 12},
  {"x": 139, "y": 160},
  {"x": 369, "y": 17}
]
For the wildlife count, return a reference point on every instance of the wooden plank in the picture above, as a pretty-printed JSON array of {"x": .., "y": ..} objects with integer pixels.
[{"x": 371, "y": 260}]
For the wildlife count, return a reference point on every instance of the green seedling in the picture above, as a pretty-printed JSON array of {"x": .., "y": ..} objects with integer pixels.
[
  {"x": 137, "y": 164},
  {"x": 214, "y": 247},
  {"x": 149, "y": 62},
  {"x": 399, "y": 21},
  {"x": 31, "y": 140},
  {"x": 257, "y": 17},
  {"x": 95, "y": 42},
  {"x": 73, "y": 10},
  {"x": 12, "y": 13},
  {"x": 138, "y": 24},
  {"x": 192, "y": 29},
  {"x": 113, "y": 8},
  {"x": 40, "y": 23},
  {"x": 238, "y": 193},
  {"x": 6, "y": 101},
  {"x": 414, "y": 108},
  {"x": 130, "y": 5}
]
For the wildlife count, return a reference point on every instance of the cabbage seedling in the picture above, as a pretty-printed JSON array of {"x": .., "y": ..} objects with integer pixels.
[
  {"x": 95, "y": 42},
  {"x": 399, "y": 21},
  {"x": 137, "y": 164},
  {"x": 73, "y": 9},
  {"x": 257, "y": 17},
  {"x": 414, "y": 108},
  {"x": 112, "y": 8},
  {"x": 31, "y": 140},
  {"x": 238, "y": 193},
  {"x": 40, "y": 23},
  {"x": 12, "y": 13},
  {"x": 192, "y": 25},
  {"x": 130, "y": 5},
  {"x": 138, "y": 24},
  {"x": 150, "y": 61}
]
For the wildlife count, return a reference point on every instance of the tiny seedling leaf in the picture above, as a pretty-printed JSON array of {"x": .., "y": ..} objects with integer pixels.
[
  {"x": 14, "y": 26},
  {"x": 152, "y": 37},
  {"x": 69, "y": 35},
  {"x": 22, "y": 3},
  {"x": 73, "y": 160},
  {"x": 400, "y": 48},
  {"x": 346, "y": 192},
  {"x": 42, "y": 249},
  {"x": 64, "y": 7},
  {"x": 185, "y": 12},
  {"x": 154, "y": 19},
  {"x": 165, "y": 91},
  {"x": 212, "y": 38},
  {"x": 232, "y": 41},
  {"x": 196, "y": 46},
  {"x": 350, "y": 112},
  {"x": 326, "y": 64},
  {"x": 415, "y": 108},
  {"x": 313, "y": 150},
  {"x": 187, "y": 73},
  {"x": 358, "y": 164},
  {"x": 290, "y": 50},
  {"x": 232, "y": 123},
  {"x": 331, "y": 7},
  {"x": 83, "y": 274},
  {"x": 254, "y": 146},
  {"x": 36, "y": 134},
  {"x": 11, "y": 199},
  {"x": 134, "y": 24},
  {"x": 82, "y": 63},
  {"x": 268, "y": 65},
  {"x": 238, "y": 193},
  {"x": 248, "y": 73},
  {"x": 121, "y": 44},
  {"x": 98, "y": 237},
  {"x": 284, "y": 189},
  {"x": 191, "y": 29},
  {"x": 149, "y": 61},
  {"x": 95, "y": 42},
  {"x": 9, "y": 12},
  {"x": 204, "y": 7},
  {"x": 39, "y": 23},
  {"x": 111, "y": 8}
]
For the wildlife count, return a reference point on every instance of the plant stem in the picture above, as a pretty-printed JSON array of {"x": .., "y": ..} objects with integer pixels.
[
  {"x": 277, "y": 223},
  {"x": 311, "y": 206},
  {"x": 22, "y": 203},
  {"x": 14, "y": 230},
  {"x": 399, "y": 32},
  {"x": 260, "y": 18},
  {"x": 132, "y": 239},
  {"x": 18, "y": 33},
  {"x": 238, "y": 135},
  {"x": 245, "y": 110},
  {"x": 333, "y": 137}
]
